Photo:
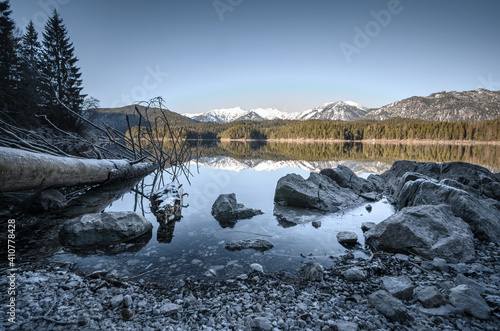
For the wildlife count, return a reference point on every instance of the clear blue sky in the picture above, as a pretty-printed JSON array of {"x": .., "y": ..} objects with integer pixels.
[{"x": 287, "y": 54}]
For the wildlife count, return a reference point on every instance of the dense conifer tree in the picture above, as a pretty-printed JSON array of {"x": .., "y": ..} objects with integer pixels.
[
  {"x": 62, "y": 75},
  {"x": 31, "y": 84},
  {"x": 9, "y": 63}
]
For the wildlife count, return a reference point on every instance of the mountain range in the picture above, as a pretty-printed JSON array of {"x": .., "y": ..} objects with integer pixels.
[
  {"x": 475, "y": 105},
  {"x": 237, "y": 165}
]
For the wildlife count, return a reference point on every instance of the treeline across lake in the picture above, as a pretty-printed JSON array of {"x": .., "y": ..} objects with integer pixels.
[
  {"x": 485, "y": 155},
  {"x": 391, "y": 129}
]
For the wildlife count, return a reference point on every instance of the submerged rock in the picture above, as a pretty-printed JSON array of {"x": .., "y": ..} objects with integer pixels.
[
  {"x": 227, "y": 210},
  {"x": 290, "y": 216},
  {"x": 257, "y": 244},
  {"x": 104, "y": 228},
  {"x": 347, "y": 238},
  {"x": 429, "y": 231}
]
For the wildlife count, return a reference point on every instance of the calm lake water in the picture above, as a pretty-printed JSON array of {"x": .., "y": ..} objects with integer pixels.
[{"x": 196, "y": 243}]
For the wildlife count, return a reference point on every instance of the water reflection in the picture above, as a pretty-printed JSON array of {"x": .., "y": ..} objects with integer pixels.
[
  {"x": 196, "y": 243},
  {"x": 482, "y": 154}
]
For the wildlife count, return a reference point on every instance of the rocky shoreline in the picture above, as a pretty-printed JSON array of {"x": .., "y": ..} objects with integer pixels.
[
  {"x": 434, "y": 265},
  {"x": 55, "y": 298}
]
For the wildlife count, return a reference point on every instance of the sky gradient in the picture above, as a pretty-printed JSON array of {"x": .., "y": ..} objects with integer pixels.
[{"x": 291, "y": 55}]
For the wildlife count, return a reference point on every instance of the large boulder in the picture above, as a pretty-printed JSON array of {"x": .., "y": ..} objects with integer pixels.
[
  {"x": 477, "y": 179},
  {"x": 346, "y": 178},
  {"x": 430, "y": 231},
  {"x": 227, "y": 210},
  {"x": 318, "y": 192},
  {"x": 482, "y": 214},
  {"x": 104, "y": 228}
]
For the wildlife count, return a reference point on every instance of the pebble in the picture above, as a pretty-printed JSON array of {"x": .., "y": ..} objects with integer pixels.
[{"x": 50, "y": 299}]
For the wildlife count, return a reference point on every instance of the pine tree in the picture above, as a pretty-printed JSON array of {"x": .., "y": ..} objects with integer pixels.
[
  {"x": 59, "y": 68},
  {"x": 9, "y": 63},
  {"x": 31, "y": 85}
]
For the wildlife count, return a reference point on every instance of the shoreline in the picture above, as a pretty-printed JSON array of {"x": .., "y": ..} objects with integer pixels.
[
  {"x": 364, "y": 141},
  {"x": 57, "y": 298}
]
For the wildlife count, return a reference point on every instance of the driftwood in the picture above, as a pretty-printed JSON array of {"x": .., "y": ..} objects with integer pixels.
[{"x": 23, "y": 170}]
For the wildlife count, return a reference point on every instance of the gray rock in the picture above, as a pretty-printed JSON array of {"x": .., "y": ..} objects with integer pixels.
[
  {"x": 378, "y": 182},
  {"x": 401, "y": 257},
  {"x": 312, "y": 271},
  {"x": 341, "y": 325},
  {"x": 318, "y": 192},
  {"x": 461, "y": 279},
  {"x": 443, "y": 311},
  {"x": 427, "y": 265},
  {"x": 116, "y": 301},
  {"x": 367, "y": 226},
  {"x": 127, "y": 301},
  {"x": 347, "y": 238},
  {"x": 354, "y": 274},
  {"x": 257, "y": 244},
  {"x": 429, "y": 231},
  {"x": 466, "y": 299},
  {"x": 257, "y": 267},
  {"x": 166, "y": 203},
  {"x": 400, "y": 287},
  {"x": 316, "y": 224},
  {"x": 169, "y": 308},
  {"x": 481, "y": 214},
  {"x": 368, "y": 208},
  {"x": 346, "y": 178},
  {"x": 262, "y": 323},
  {"x": 477, "y": 179},
  {"x": 440, "y": 264},
  {"x": 388, "y": 305},
  {"x": 226, "y": 208},
  {"x": 104, "y": 228},
  {"x": 430, "y": 297}
]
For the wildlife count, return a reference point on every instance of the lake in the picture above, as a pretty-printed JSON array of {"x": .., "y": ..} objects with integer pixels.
[{"x": 194, "y": 246}]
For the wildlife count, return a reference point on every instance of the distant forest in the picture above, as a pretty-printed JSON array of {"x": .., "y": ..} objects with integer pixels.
[{"x": 394, "y": 128}]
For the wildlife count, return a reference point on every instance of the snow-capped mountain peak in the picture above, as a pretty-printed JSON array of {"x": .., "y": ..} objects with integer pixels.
[{"x": 339, "y": 111}]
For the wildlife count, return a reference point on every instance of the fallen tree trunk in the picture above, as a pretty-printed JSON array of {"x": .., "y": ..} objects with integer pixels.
[{"x": 22, "y": 170}]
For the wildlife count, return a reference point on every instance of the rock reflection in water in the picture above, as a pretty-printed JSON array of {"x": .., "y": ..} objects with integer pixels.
[
  {"x": 131, "y": 246},
  {"x": 165, "y": 232}
]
